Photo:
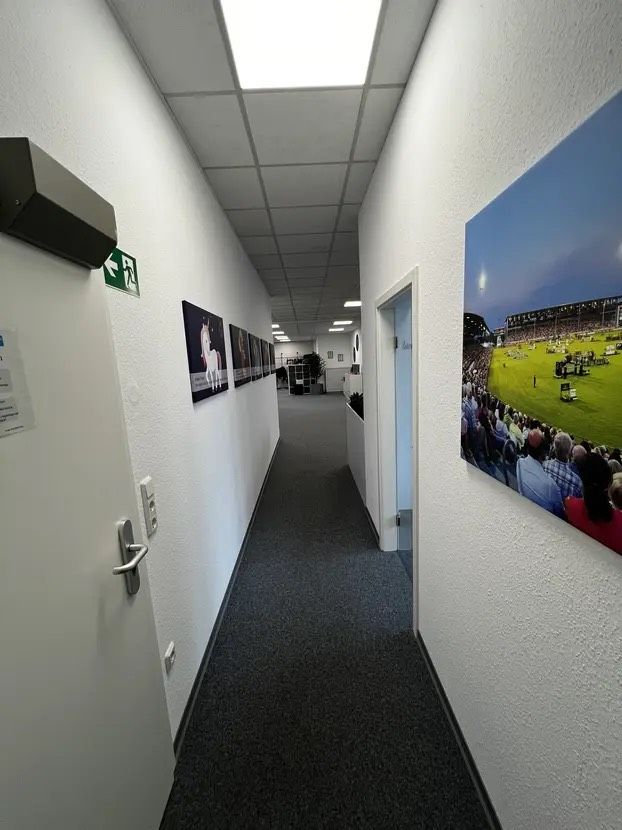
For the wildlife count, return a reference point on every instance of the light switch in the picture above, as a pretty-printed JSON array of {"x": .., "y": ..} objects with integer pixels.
[{"x": 147, "y": 491}]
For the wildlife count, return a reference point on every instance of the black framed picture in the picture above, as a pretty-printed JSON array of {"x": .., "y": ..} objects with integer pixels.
[
  {"x": 272, "y": 358},
  {"x": 205, "y": 346},
  {"x": 339, "y": 358},
  {"x": 256, "y": 358},
  {"x": 329, "y": 355},
  {"x": 241, "y": 355},
  {"x": 265, "y": 357}
]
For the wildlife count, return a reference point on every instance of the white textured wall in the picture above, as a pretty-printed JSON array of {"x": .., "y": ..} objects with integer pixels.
[
  {"x": 294, "y": 349},
  {"x": 521, "y": 614},
  {"x": 71, "y": 82},
  {"x": 338, "y": 344}
]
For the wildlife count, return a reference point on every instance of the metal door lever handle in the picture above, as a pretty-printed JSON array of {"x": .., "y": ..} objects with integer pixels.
[{"x": 140, "y": 550}]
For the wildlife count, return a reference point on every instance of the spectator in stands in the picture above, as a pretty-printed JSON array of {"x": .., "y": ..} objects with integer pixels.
[
  {"x": 516, "y": 432},
  {"x": 594, "y": 514},
  {"x": 469, "y": 409},
  {"x": 559, "y": 469},
  {"x": 499, "y": 429},
  {"x": 615, "y": 454},
  {"x": 508, "y": 417},
  {"x": 615, "y": 491},
  {"x": 616, "y": 467},
  {"x": 533, "y": 481},
  {"x": 578, "y": 454}
]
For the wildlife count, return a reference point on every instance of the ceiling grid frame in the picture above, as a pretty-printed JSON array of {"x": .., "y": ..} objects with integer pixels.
[
  {"x": 319, "y": 126},
  {"x": 357, "y": 129},
  {"x": 242, "y": 104}
]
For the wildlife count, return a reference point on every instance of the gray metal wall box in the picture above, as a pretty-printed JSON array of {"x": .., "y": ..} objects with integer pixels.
[{"x": 44, "y": 204}]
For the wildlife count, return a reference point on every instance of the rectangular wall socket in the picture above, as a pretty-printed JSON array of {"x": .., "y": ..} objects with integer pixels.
[
  {"x": 169, "y": 657},
  {"x": 147, "y": 491}
]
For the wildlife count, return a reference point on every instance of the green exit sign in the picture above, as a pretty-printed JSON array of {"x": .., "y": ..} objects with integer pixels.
[{"x": 121, "y": 272}]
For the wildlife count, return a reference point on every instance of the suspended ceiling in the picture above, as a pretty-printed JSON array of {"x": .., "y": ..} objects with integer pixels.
[{"x": 289, "y": 167}]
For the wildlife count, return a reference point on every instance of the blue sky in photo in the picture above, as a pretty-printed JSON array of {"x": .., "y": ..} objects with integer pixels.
[{"x": 555, "y": 235}]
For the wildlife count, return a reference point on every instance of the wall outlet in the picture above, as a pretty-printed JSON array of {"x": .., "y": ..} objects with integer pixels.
[
  {"x": 147, "y": 491},
  {"x": 169, "y": 657}
]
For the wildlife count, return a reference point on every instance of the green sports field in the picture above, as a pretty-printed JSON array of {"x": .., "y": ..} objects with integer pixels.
[{"x": 596, "y": 414}]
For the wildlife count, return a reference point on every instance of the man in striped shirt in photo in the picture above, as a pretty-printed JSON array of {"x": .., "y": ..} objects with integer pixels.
[{"x": 560, "y": 470}]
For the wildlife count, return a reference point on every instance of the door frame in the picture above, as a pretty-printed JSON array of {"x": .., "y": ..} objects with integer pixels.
[{"x": 386, "y": 437}]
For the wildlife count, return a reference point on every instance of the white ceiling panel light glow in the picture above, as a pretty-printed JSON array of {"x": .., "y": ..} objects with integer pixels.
[
  {"x": 275, "y": 325},
  {"x": 308, "y": 43},
  {"x": 275, "y": 333},
  {"x": 342, "y": 323},
  {"x": 335, "y": 329},
  {"x": 352, "y": 304}
]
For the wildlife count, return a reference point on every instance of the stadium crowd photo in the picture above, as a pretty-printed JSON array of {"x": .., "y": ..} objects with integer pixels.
[{"x": 541, "y": 410}]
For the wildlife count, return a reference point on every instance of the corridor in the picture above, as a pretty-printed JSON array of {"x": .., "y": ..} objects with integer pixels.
[{"x": 316, "y": 709}]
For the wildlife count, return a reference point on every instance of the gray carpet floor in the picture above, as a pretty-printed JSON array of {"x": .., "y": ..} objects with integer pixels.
[{"x": 316, "y": 709}]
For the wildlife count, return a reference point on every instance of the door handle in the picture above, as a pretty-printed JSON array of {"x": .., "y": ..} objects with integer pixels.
[
  {"x": 141, "y": 552},
  {"x": 131, "y": 555}
]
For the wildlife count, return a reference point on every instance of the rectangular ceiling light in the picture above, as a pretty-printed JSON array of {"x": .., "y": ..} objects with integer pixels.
[
  {"x": 275, "y": 325},
  {"x": 335, "y": 329},
  {"x": 307, "y": 43},
  {"x": 342, "y": 323},
  {"x": 352, "y": 304},
  {"x": 278, "y": 332}
]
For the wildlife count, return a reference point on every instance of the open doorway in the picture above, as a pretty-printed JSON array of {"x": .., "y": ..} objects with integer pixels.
[
  {"x": 396, "y": 366},
  {"x": 402, "y": 322}
]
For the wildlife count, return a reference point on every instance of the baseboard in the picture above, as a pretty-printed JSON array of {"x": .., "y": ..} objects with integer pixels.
[
  {"x": 483, "y": 796},
  {"x": 185, "y": 718},
  {"x": 367, "y": 513},
  {"x": 372, "y": 525}
]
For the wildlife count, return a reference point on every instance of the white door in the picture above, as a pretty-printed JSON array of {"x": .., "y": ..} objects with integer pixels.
[{"x": 84, "y": 735}]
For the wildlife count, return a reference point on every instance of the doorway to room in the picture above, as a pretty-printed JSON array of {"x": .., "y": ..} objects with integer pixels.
[
  {"x": 396, "y": 368},
  {"x": 402, "y": 311}
]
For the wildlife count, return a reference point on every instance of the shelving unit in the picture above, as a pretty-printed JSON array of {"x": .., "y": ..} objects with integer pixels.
[{"x": 299, "y": 375}]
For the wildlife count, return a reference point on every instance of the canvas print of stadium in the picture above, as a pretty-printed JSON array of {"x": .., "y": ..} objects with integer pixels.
[{"x": 542, "y": 353}]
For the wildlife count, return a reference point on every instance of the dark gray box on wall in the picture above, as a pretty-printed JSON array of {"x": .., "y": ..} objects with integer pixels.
[{"x": 44, "y": 204}]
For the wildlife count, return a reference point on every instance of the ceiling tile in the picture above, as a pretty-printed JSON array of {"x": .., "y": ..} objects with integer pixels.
[
  {"x": 305, "y": 242},
  {"x": 271, "y": 273},
  {"x": 377, "y": 117},
  {"x": 180, "y": 43},
  {"x": 266, "y": 261},
  {"x": 259, "y": 244},
  {"x": 249, "y": 221},
  {"x": 347, "y": 257},
  {"x": 360, "y": 175},
  {"x": 346, "y": 241},
  {"x": 294, "y": 274},
  {"x": 276, "y": 288},
  {"x": 302, "y": 260},
  {"x": 215, "y": 129},
  {"x": 349, "y": 272},
  {"x": 299, "y": 220},
  {"x": 348, "y": 220},
  {"x": 236, "y": 188},
  {"x": 307, "y": 126},
  {"x": 404, "y": 26},
  {"x": 317, "y": 184}
]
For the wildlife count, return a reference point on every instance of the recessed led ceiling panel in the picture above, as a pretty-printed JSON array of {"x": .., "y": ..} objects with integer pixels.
[{"x": 307, "y": 43}]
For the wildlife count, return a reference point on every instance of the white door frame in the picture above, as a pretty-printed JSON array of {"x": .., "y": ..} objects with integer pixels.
[{"x": 385, "y": 391}]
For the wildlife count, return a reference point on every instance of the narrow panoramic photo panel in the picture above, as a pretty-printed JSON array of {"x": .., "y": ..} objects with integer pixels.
[{"x": 542, "y": 337}]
